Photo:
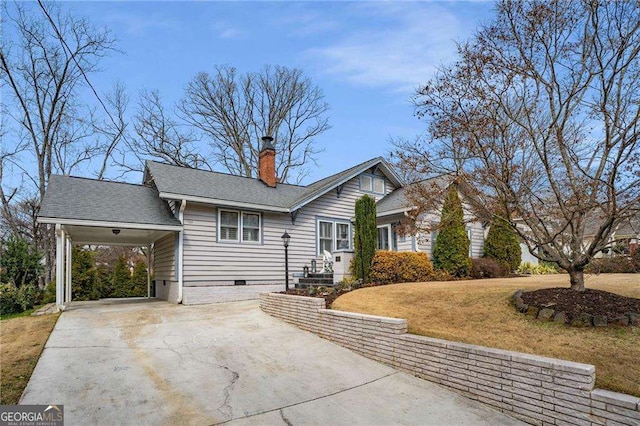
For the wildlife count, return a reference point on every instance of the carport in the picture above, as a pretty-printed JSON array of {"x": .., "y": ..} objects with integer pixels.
[{"x": 88, "y": 211}]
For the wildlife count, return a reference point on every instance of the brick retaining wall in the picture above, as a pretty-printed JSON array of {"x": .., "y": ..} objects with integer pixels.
[{"x": 537, "y": 390}]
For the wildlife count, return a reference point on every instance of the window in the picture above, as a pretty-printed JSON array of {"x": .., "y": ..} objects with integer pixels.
[
  {"x": 342, "y": 236},
  {"x": 228, "y": 226},
  {"x": 326, "y": 236},
  {"x": 370, "y": 183},
  {"x": 239, "y": 226},
  {"x": 378, "y": 185},
  {"x": 251, "y": 227},
  {"x": 333, "y": 235},
  {"x": 384, "y": 237}
]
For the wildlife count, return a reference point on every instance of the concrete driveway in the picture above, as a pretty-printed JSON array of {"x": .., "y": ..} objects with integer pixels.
[{"x": 150, "y": 362}]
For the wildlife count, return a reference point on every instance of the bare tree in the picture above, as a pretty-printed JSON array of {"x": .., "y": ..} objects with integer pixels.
[
  {"x": 44, "y": 63},
  {"x": 234, "y": 111},
  {"x": 160, "y": 137},
  {"x": 540, "y": 115}
]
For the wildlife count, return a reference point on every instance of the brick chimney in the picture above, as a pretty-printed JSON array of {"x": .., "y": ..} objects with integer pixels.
[{"x": 267, "y": 162}]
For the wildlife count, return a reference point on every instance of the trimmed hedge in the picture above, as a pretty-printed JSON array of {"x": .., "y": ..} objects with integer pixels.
[{"x": 389, "y": 267}]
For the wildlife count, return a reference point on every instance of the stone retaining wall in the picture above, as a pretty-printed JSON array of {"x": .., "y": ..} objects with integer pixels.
[{"x": 537, "y": 390}]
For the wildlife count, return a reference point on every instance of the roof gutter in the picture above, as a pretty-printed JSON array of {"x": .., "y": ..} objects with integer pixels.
[
  {"x": 215, "y": 201},
  {"x": 396, "y": 211},
  {"x": 181, "y": 252},
  {"x": 105, "y": 224}
]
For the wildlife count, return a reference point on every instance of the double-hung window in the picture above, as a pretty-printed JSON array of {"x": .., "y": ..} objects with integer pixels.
[
  {"x": 237, "y": 226},
  {"x": 384, "y": 237},
  {"x": 251, "y": 227},
  {"x": 228, "y": 225},
  {"x": 333, "y": 235},
  {"x": 372, "y": 183},
  {"x": 325, "y": 238}
]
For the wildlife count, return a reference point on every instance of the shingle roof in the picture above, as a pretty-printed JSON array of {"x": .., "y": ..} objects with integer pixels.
[
  {"x": 223, "y": 187},
  {"x": 220, "y": 186},
  {"x": 629, "y": 227},
  {"x": 398, "y": 200},
  {"x": 76, "y": 198}
]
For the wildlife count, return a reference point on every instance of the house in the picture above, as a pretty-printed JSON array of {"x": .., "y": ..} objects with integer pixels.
[
  {"x": 217, "y": 237},
  {"x": 624, "y": 239}
]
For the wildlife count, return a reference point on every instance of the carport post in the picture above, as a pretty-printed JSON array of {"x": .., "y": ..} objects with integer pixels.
[
  {"x": 59, "y": 266},
  {"x": 149, "y": 271},
  {"x": 68, "y": 254}
]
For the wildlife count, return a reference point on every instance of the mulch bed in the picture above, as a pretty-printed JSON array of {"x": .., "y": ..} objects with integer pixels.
[
  {"x": 329, "y": 294},
  {"x": 573, "y": 303}
]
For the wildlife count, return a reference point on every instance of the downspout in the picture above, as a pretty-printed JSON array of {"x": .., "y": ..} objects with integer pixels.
[{"x": 181, "y": 251}]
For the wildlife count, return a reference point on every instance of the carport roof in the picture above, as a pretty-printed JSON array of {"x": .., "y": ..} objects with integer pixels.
[{"x": 74, "y": 200}]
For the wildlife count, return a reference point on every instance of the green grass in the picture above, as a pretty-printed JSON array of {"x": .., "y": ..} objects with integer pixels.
[{"x": 21, "y": 314}]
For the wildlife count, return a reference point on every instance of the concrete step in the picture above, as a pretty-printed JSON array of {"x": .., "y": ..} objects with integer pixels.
[{"x": 316, "y": 281}]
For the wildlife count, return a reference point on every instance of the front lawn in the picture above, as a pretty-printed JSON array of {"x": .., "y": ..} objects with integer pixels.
[
  {"x": 480, "y": 312},
  {"x": 22, "y": 340}
]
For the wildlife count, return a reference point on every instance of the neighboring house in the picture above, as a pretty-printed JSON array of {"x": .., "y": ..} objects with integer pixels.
[
  {"x": 217, "y": 237},
  {"x": 397, "y": 206},
  {"x": 624, "y": 239}
]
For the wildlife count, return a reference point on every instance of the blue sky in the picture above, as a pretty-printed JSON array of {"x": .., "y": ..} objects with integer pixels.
[{"x": 367, "y": 57}]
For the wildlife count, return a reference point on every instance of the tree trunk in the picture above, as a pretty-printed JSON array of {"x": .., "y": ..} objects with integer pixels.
[{"x": 577, "y": 279}]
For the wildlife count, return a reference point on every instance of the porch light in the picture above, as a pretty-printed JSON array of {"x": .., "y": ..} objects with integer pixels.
[
  {"x": 285, "y": 241},
  {"x": 115, "y": 231}
]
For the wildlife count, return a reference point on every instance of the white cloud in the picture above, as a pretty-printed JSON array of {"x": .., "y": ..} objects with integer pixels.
[
  {"x": 225, "y": 30},
  {"x": 400, "y": 46}
]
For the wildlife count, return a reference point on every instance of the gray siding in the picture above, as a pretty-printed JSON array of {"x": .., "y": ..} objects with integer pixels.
[
  {"x": 164, "y": 262},
  {"x": 211, "y": 263}
]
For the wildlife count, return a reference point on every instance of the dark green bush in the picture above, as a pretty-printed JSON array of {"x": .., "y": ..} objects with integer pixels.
[
  {"x": 14, "y": 300},
  {"x": 84, "y": 275},
  {"x": 120, "y": 285},
  {"x": 20, "y": 263},
  {"x": 365, "y": 237},
  {"x": 451, "y": 250},
  {"x": 139, "y": 280},
  {"x": 502, "y": 245},
  {"x": 49, "y": 293}
]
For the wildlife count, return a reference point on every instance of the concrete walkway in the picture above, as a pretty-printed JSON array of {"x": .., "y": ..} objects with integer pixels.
[{"x": 150, "y": 362}]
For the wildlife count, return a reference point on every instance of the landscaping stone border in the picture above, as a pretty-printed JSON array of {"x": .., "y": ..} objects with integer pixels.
[
  {"x": 537, "y": 390},
  {"x": 582, "y": 320}
]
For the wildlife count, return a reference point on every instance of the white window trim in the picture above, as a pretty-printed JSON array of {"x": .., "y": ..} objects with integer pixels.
[
  {"x": 470, "y": 236},
  {"x": 389, "y": 236},
  {"x": 334, "y": 226},
  {"x": 241, "y": 234},
  {"x": 240, "y": 225},
  {"x": 372, "y": 190}
]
